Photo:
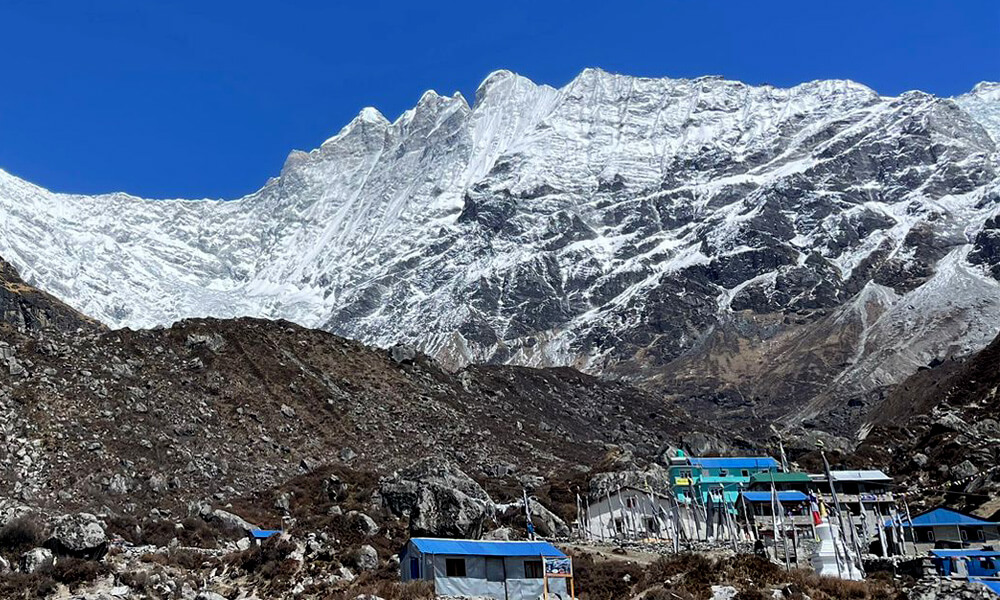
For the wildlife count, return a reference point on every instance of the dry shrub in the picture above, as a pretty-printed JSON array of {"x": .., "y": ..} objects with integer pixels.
[
  {"x": 190, "y": 560},
  {"x": 388, "y": 590},
  {"x": 20, "y": 535},
  {"x": 139, "y": 581},
  {"x": 269, "y": 560},
  {"x": 193, "y": 532},
  {"x": 74, "y": 571},
  {"x": 155, "y": 558},
  {"x": 832, "y": 588},
  {"x": 605, "y": 579},
  {"x": 15, "y": 586}
]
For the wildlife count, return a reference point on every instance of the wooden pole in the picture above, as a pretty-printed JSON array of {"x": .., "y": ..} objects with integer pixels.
[
  {"x": 909, "y": 521},
  {"x": 545, "y": 579}
]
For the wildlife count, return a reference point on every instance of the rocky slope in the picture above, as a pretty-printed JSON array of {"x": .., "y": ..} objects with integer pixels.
[
  {"x": 938, "y": 433},
  {"x": 159, "y": 418},
  {"x": 776, "y": 253}
]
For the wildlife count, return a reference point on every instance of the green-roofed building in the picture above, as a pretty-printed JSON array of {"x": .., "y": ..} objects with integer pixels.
[{"x": 792, "y": 481}]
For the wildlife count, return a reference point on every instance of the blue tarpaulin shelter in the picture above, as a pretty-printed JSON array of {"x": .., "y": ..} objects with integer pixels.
[{"x": 503, "y": 570}]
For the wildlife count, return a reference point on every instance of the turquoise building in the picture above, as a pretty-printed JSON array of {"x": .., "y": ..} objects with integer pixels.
[{"x": 695, "y": 477}]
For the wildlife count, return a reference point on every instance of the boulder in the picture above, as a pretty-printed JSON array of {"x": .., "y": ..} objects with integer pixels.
[
  {"x": 229, "y": 520},
  {"x": 35, "y": 559},
  {"x": 80, "y": 535},
  {"x": 964, "y": 469},
  {"x": 439, "y": 500},
  {"x": 500, "y": 534},
  {"x": 366, "y": 558},
  {"x": 359, "y": 521},
  {"x": 335, "y": 488},
  {"x": 546, "y": 522},
  {"x": 402, "y": 354}
]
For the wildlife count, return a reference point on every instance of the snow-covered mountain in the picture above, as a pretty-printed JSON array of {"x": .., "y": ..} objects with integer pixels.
[{"x": 804, "y": 245}]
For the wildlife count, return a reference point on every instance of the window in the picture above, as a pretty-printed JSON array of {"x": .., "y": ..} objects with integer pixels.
[
  {"x": 454, "y": 567},
  {"x": 965, "y": 535},
  {"x": 631, "y": 502},
  {"x": 532, "y": 569},
  {"x": 684, "y": 473},
  {"x": 619, "y": 525},
  {"x": 745, "y": 474},
  {"x": 414, "y": 568},
  {"x": 981, "y": 535},
  {"x": 723, "y": 472},
  {"x": 988, "y": 564},
  {"x": 652, "y": 525},
  {"x": 930, "y": 535}
]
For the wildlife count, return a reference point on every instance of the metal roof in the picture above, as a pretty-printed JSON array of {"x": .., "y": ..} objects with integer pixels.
[
  {"x": 944, "y": 517},
  {"x": 966, "y": 553},
  {"x": 992, "y": 584},
  {"x": 867, "y": 475},
  {"x": 484, "y": 547},
  {"x": 785, "y": 496},
  {"x": 736, "y": 462},
  {"x": 780, "y": 477},
  {"x": 264, "y": 533}
]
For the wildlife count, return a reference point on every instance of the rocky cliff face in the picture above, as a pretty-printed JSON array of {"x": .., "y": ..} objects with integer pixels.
[
  {"x": 778, "y": 253},
  {"x": 26, "y": 308}
]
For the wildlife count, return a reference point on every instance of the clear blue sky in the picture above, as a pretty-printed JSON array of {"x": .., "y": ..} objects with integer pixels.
[{"x": 205, "y": 99}]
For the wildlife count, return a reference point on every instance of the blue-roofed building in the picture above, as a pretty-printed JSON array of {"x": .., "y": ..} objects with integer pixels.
[
  {"x": 504, "y": 570},
  {"x": 944, "y": 528},
  {"x": 694, "y": 477}
]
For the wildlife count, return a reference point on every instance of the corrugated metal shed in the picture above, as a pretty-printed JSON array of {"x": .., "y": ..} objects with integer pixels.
[
  {"x": 484, "y": 547},
  {"x": 736, "y": 462}
]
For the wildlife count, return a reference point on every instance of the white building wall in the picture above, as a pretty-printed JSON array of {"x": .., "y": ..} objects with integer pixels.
[{"x": 646, "y": 519}]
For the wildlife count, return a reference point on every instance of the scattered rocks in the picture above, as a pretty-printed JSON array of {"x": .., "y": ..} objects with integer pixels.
[{"x": 946, "y": 589}]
